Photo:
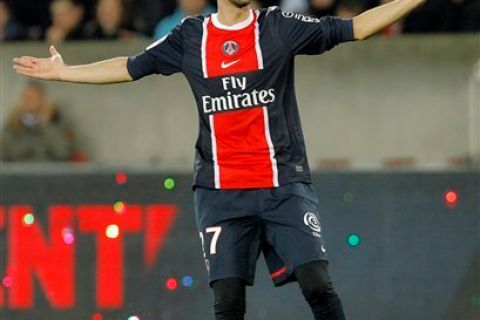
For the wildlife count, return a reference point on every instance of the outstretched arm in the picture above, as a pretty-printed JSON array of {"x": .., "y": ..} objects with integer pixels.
[
  {"x": 53, "y": 68},
  {"x": 376, "y": 19}
]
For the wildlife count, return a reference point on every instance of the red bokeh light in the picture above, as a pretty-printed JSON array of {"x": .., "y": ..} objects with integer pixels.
[
  {"x": 2, "y": 218},
  {"x": 121, "y": 178},
  {"x": 171, "y": 284},
  {"x": 97, "y": 316},
  {"x": 451, "y": 198},
  {"x": 7, "y": 281}
]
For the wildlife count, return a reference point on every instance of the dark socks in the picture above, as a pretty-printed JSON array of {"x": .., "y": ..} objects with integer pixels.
[
  {"x": 317, "y": 288},
  {"x": 313, "y": 279},
  {"x": 229, "y": 299}
]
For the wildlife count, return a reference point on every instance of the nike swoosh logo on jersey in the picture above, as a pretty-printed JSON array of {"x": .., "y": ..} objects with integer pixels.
[{"x": 228, "y": 65}]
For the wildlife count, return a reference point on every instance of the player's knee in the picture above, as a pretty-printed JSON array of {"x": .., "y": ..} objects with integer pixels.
[
  {"x": 229, "y": 299},
  {"x": 316, "y": 285},
  {"x": 320, "y": 294}
]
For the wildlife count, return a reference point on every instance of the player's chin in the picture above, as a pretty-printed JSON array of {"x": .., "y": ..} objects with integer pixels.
[{"x": 241, "y": 3}]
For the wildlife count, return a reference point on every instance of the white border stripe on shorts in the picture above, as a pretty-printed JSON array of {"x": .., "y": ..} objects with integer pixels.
[
  {"x": 216, "y": 168},
  {"x": 204, "y": 48},
  {"x": 257, "y": 42},
  {"x": 270, "y": 147}
]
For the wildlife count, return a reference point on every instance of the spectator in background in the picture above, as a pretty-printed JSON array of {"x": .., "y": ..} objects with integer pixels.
[
  {"x": 445, "y": 16},
  {"x": 185, "y": 8},
  {"x": 34, "y": 131},
  {"x": 66, "y": 21},
  {"x": 31, "y": 14},
  {"x": 294, "y": 5},
  {"x": 321, "y": 8},
  {"x": 110, "y": 23},
  {"x": 266, "y": 3},
  {"x": 347, "y": 9},
  {"x": 470, "y": 16},
  {"x": 9, "y": 29},
  {"x": 394, "y": 29}
]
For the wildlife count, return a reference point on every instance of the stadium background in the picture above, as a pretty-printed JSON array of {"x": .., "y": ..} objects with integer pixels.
[{"x": 393, "y": 133}]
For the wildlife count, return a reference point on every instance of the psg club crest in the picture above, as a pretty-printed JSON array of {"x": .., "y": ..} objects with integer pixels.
[{"x": 230, "y": 48}]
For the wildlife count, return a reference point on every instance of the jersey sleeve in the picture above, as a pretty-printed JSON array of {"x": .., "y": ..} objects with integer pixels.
[
  {"x": 308, "y": 35},
  {"x": 164, "y": 56}
]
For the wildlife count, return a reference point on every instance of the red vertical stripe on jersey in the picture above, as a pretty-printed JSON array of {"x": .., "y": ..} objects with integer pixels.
[{"x": 244, "y": 158}]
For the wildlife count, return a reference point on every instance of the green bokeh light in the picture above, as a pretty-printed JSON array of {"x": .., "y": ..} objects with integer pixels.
[
  {"x": 353, "y": 240},
  {"x": 169, "y": 183},
  {"x": 475, "y": 300},
  {"x": 348, "y": 197},
  {"x": 119, "y": 207},
  {"x": 29, "y": 219}
]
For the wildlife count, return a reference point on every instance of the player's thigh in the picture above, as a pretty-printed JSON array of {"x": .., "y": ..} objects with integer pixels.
[
  {"x": 293, "y": 228},
  {"x": 230, "y": 235},
  {"x": 231, "y": 248}
]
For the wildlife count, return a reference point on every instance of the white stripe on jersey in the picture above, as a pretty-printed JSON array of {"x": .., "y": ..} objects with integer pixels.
[
  {"x": 270, "y": 147},
  {"x": 204, "y": 47},
  {"x": 156, "y": 43},
  {"x": 216, "y": 168},
  {"x": 257, "y": 42}
]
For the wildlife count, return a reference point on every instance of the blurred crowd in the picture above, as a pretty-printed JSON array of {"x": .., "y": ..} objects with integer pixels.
[
  {"x": 59, "y": 20},
  {"x": 36, "y": 131}
]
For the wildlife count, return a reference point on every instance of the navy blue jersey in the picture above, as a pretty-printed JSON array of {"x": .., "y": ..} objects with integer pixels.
[{"x": 242, "y": 78}]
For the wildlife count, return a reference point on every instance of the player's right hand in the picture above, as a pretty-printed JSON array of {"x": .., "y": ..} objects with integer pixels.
[{"x": 41, "y": 68}]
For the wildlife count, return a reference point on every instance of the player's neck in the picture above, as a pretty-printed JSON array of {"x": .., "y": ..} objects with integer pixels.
[{"x": 230, "y": 15}]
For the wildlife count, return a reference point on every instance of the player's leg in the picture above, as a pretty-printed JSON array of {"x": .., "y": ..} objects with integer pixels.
[
  {"x": 296, "y": 249},
  {"x": 317, "y": 288},
  {"x": 229, "y": 299},
  {"x": 314, "y": 280},
  {"x": 231, "y": 249},
  {"x": 231, "y": 239}
]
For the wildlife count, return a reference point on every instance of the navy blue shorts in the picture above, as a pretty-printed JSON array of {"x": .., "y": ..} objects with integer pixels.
[{"x": 235, "y": 226}]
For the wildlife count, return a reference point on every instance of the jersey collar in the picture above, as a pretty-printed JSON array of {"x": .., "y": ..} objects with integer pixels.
[{"x": 245, "y": 23}]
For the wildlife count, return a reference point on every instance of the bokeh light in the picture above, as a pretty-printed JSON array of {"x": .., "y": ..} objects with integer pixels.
[
  {"x": 475, "y": 300},
  {"x": 7, "y": 281},
  {"x": 121, "y": 178},
  {"x": 169, "y": 183},
  {"x": 112, "y": 231},
  {"x": 119, "y": 207},
  {"x": 348, "y": 197},
  {"x": 353, "y": 240},
  {"x": 28, "y": 219},
  {"x": 68, "y": 235},
  {"x": 171, "y": 284},
  {"x": 187, "y": 281},
  {"x": 133, "y": 318},
  {"x": 451, "y": 198},
  {"x": 97, "y": 316}
]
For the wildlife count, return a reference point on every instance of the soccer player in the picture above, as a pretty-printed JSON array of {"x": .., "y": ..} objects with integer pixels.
[{"x": 253, "y": 189}]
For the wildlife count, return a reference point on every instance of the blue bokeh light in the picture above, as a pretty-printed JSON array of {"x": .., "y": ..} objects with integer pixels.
[{"x": 187, "y": 281}]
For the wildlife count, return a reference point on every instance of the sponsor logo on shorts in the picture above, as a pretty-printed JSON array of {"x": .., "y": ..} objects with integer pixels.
[{"x": 311, "y": 220}]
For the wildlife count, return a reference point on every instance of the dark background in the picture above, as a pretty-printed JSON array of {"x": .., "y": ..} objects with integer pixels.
[{"x": 418, "y": 258}]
